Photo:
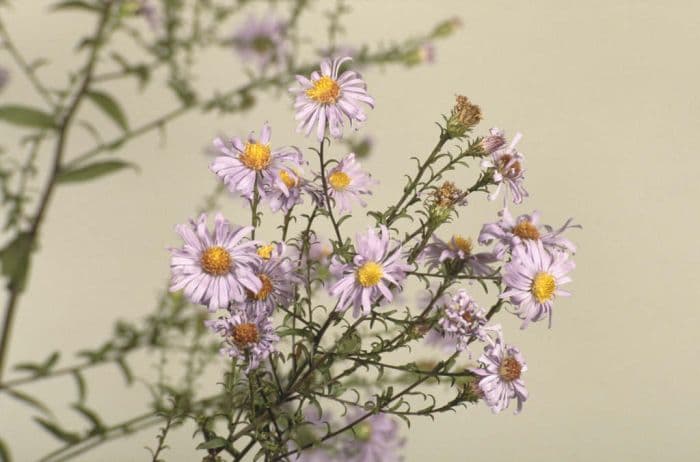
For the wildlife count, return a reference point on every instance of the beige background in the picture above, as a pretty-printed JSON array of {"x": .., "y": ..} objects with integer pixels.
[{"x": 606, "y": 96}]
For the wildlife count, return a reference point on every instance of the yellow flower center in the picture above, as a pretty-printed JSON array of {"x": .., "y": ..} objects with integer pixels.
[
  {"x": 510, "y": 369},
  {"x": 339, "y": 180},
  {"x": 543, "y": 287},
  {"x": 461, "y": 243},
  {"x": 255, "y": 156},
  {"x": 325, "y": 91},
  {"x": 288, "y": 180},
  {"x": 264, "y": 291},
  {"x": 526, "y": 230},
  {"x": 363, "y": 431},
  {"x": 369, "y": 274},
  {"x": 215, "y": 261},
  {"x": 265, "y": 251},
  {"x": 244, "y": 335}
]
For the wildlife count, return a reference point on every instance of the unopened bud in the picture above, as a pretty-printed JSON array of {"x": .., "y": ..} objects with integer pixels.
[
  {"x": 494, "y": 141},
  {"x": 447, "y": 28}
]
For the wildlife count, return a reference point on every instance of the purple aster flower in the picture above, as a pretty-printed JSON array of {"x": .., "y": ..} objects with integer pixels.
[
  {"x": 247, "y": 336},
  {"x": 422, "y": 54},
  {"x": 364, "y": 281},
  {"x": 214, "y": 268},
  {"x": 509, "y": 232},
  {"x": 533, "y": 279},
  {"x": 508, "y": 170},
  {"x": 500, "y": 376},
  {"x": 327, "y": 97},
  {"x": 241, "y": 164},
  {"x": 458, "y": 249},
  {"x": 276, "y": 274},
  {"x": 463, "y": 322},
  {"x": 494, "y": 141},
  {"x": 375, "y": 439},
  {"x": 262, "y": 40},
  {"x": 347, "y": 182},
  {"x": 284, "y": 199}
]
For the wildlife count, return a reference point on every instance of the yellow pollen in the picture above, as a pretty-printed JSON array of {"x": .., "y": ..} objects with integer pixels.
[
  {"x": 369, "y": 274},
  {"x": 510, "y": 369},
  {"x": 288, "y": 180},
  {"x": 215, "y": 261},
  {"x": 543, "y": 287},
  {"x": 461, "y": 243},
  {"x": 264, "y": 291},
  {"x": 325, "y": 90},
  {"x": 265, "y": 251},
  {"x": 244, "y": 335},
  {"x": 255, "y": 156},
  {"x": 526, "y": 230},
  {"x": 339, "y": 180}
]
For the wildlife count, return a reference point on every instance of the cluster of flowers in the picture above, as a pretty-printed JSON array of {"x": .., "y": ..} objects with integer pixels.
[{"x": 227, "y": 269}]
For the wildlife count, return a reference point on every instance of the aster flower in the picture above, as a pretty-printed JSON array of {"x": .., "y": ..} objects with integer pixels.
[
  {"x": 214, "y": 268},
  {"x": 509, "y": 232},
  {"x": 464, "y": 116},
  {"x": 347, "y": 182},
  {"x": 247, "y": 336},
  {"x": 262, "y": 40},
  {"x": 462, "y": 322},
  {"x": 284, "y": 199},
  {"x": 375, "y": 439},
  {"x": 507, "y": 169},
  {"x": 327, "y": 97},
  {"x": 533, "y": 279},
  {"x": 458, "y": 249},
  {"x": 500, "y": 376},
  {"x": 276, "y": 273},
  {"x": 365, "y": 280},
  {"x": 241, "y": 165}
]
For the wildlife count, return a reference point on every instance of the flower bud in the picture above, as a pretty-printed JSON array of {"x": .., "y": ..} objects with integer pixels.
[
  {"x": 464, "y": 116},
  {"x": 494, "y": 141},
  {"x": 448, "y": 27},
  {"x": 420, "y": 55}
]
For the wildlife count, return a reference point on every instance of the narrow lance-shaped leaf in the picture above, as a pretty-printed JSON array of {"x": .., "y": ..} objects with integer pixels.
[
  {"x": 75, "y": 5},
  {"x": 14, "y": 260},
  {"x": 110, "y": 107},
  {"x": 26, "y": 116},
  {"x": 58, "y": 432},
  {"x": 92, "y": 171}
]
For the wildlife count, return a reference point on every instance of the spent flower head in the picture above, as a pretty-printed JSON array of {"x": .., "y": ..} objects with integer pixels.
[{"x": 465, "y": 115}]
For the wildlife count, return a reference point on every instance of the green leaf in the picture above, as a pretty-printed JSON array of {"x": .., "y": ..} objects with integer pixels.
[
  {"x": 92, "y": 171},
  {"x": 33, "y": 402},
  {"x": 4, "y": 452},
  {"x": 58, "y": 432},
  {"x": 26, "y": 116},
  {"x": 80, "y": 383},
  {"x": 126, "y": 370},
  {"x": 110, "y": 107},
  {"x": 92, "y": 417},
  {"x": 213, "y": 443},
  {"x": 14, "y": 260},
  {"x": 75, "y": 5}
]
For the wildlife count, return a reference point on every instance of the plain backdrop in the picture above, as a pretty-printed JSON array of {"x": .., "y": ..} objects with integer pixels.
[{"x": 606, "y": 95}]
